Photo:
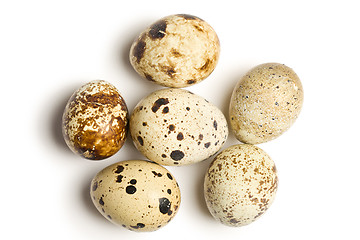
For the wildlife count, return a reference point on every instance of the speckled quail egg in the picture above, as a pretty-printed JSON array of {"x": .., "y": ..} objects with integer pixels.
[
  {"x": 136, "y": 194},
  {"x": 176, "y": 127},
  {"x": 265, "y": 103},
  {"x": 240, "y": 185},
  {"x": 176, "y": 51},
  {"x": 95, "y": 120}
]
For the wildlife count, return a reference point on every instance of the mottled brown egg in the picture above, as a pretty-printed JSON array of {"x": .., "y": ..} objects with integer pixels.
[
  {"x": 240, "y": 185},
  {"x": 173, "y": 126},
  {"x": 136, "y": 194},
  {"x": 176, "y": 51},
  {"x": 95, "y": 120},
  {"x": 265, "y": 103}
]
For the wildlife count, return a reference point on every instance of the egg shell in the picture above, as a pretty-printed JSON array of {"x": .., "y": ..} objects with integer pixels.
[
  {"x": 136, "y": 194},
  {"x": 95, "y": 121},
  {"x": 240, "y": 185},
  {"x": 176, "y": 51},
  {"x": 265, "y": 103},
  {"x": 176, "y": 127}
]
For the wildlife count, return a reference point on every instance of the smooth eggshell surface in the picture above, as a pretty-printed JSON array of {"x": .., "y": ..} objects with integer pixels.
[
  {"x": 136, "y": 194},
  {"x": 176, "y": 127},
  {"x": 265, "y": 103},
  {"x": 240, "y": 185},
  {"x": 176, "y": 51},
  {"x": 95, "y": 120}
]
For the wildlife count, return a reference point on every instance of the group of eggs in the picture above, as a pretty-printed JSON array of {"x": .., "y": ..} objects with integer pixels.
[{"x": 175, "y": 127}]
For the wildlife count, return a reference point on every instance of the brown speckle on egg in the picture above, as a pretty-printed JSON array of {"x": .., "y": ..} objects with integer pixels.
[
  {"x": 176, "y": 51},
  {"x": 158, "y": 30},
  {"x": 138, "y": 53},
  {"x": 158, "y": 103},
  {"x": 95, "y": 121}
]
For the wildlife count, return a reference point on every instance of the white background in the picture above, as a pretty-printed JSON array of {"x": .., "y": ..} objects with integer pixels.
[{"x": 50, "y": 48}]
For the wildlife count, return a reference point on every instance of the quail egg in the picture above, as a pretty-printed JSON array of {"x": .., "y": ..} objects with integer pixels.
[
  {"x": 240, "y": 185},
  {"x": 136, "y": 194},
  {"x": 95, "y": 121},
  {"x": 265, "y": 103},
  {"x": 176, "y": 51},
  {"x": 176, "y": 127}
]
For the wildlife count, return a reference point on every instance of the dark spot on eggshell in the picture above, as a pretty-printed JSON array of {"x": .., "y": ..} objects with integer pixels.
[
  {"x": 169, "y": 70},
  {"x": 158, "y": 103},
  {"x": 169, "y": 176},
  {"x": 95, "y": 186},
  {"x": 180, "y": 136},
  {"x": 175, "y": 53},
  {"x": 158, "y": 30},
  {"x": 138, "y": 225},
  {"x": 177, "y": 155},
  {"x": 199, "y": 28},
  {"x": 149, "y": 77},
  {"x": 233, "y": 220},
  {"x": 259, "y": 214},
  {"x": 139, "y": 49},
  {"x": 215, "y": 124},
  {"x": 171, "y": 127},
  {"x": 119, "y": 169},
  {"x": 130, "y": 189},
  {"x": 119, "y": 178},
  {"x": 101, "y": 201},
  {"x": 164, "y": 205},
  {"x": 140, "y": 140},
  {"x": 207, "y": 145},
  {"x": 206, "y": 65},
  {"x": 163, "y": 155},
  {"x": 133, "y": 181},
  {"x": 109, "y": 216},
  {"x": 156, "y": 174},
  {"x": 165, "y": 110},
  {"x": 190, "y": 81},
  {"x": 187, "y": 108},
  {"x": 169, "y": 191}
]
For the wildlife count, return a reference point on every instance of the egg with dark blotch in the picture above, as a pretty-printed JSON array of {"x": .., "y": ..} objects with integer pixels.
[
  {"x": 176, "y": 127},
  {"x": 265, "y": 103},
  {"x": 95, "y": 121},
  {"x": 176, "y": 51},
  {"x": 240, "y": 185},
  {"x": 139, "y": 195}
]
